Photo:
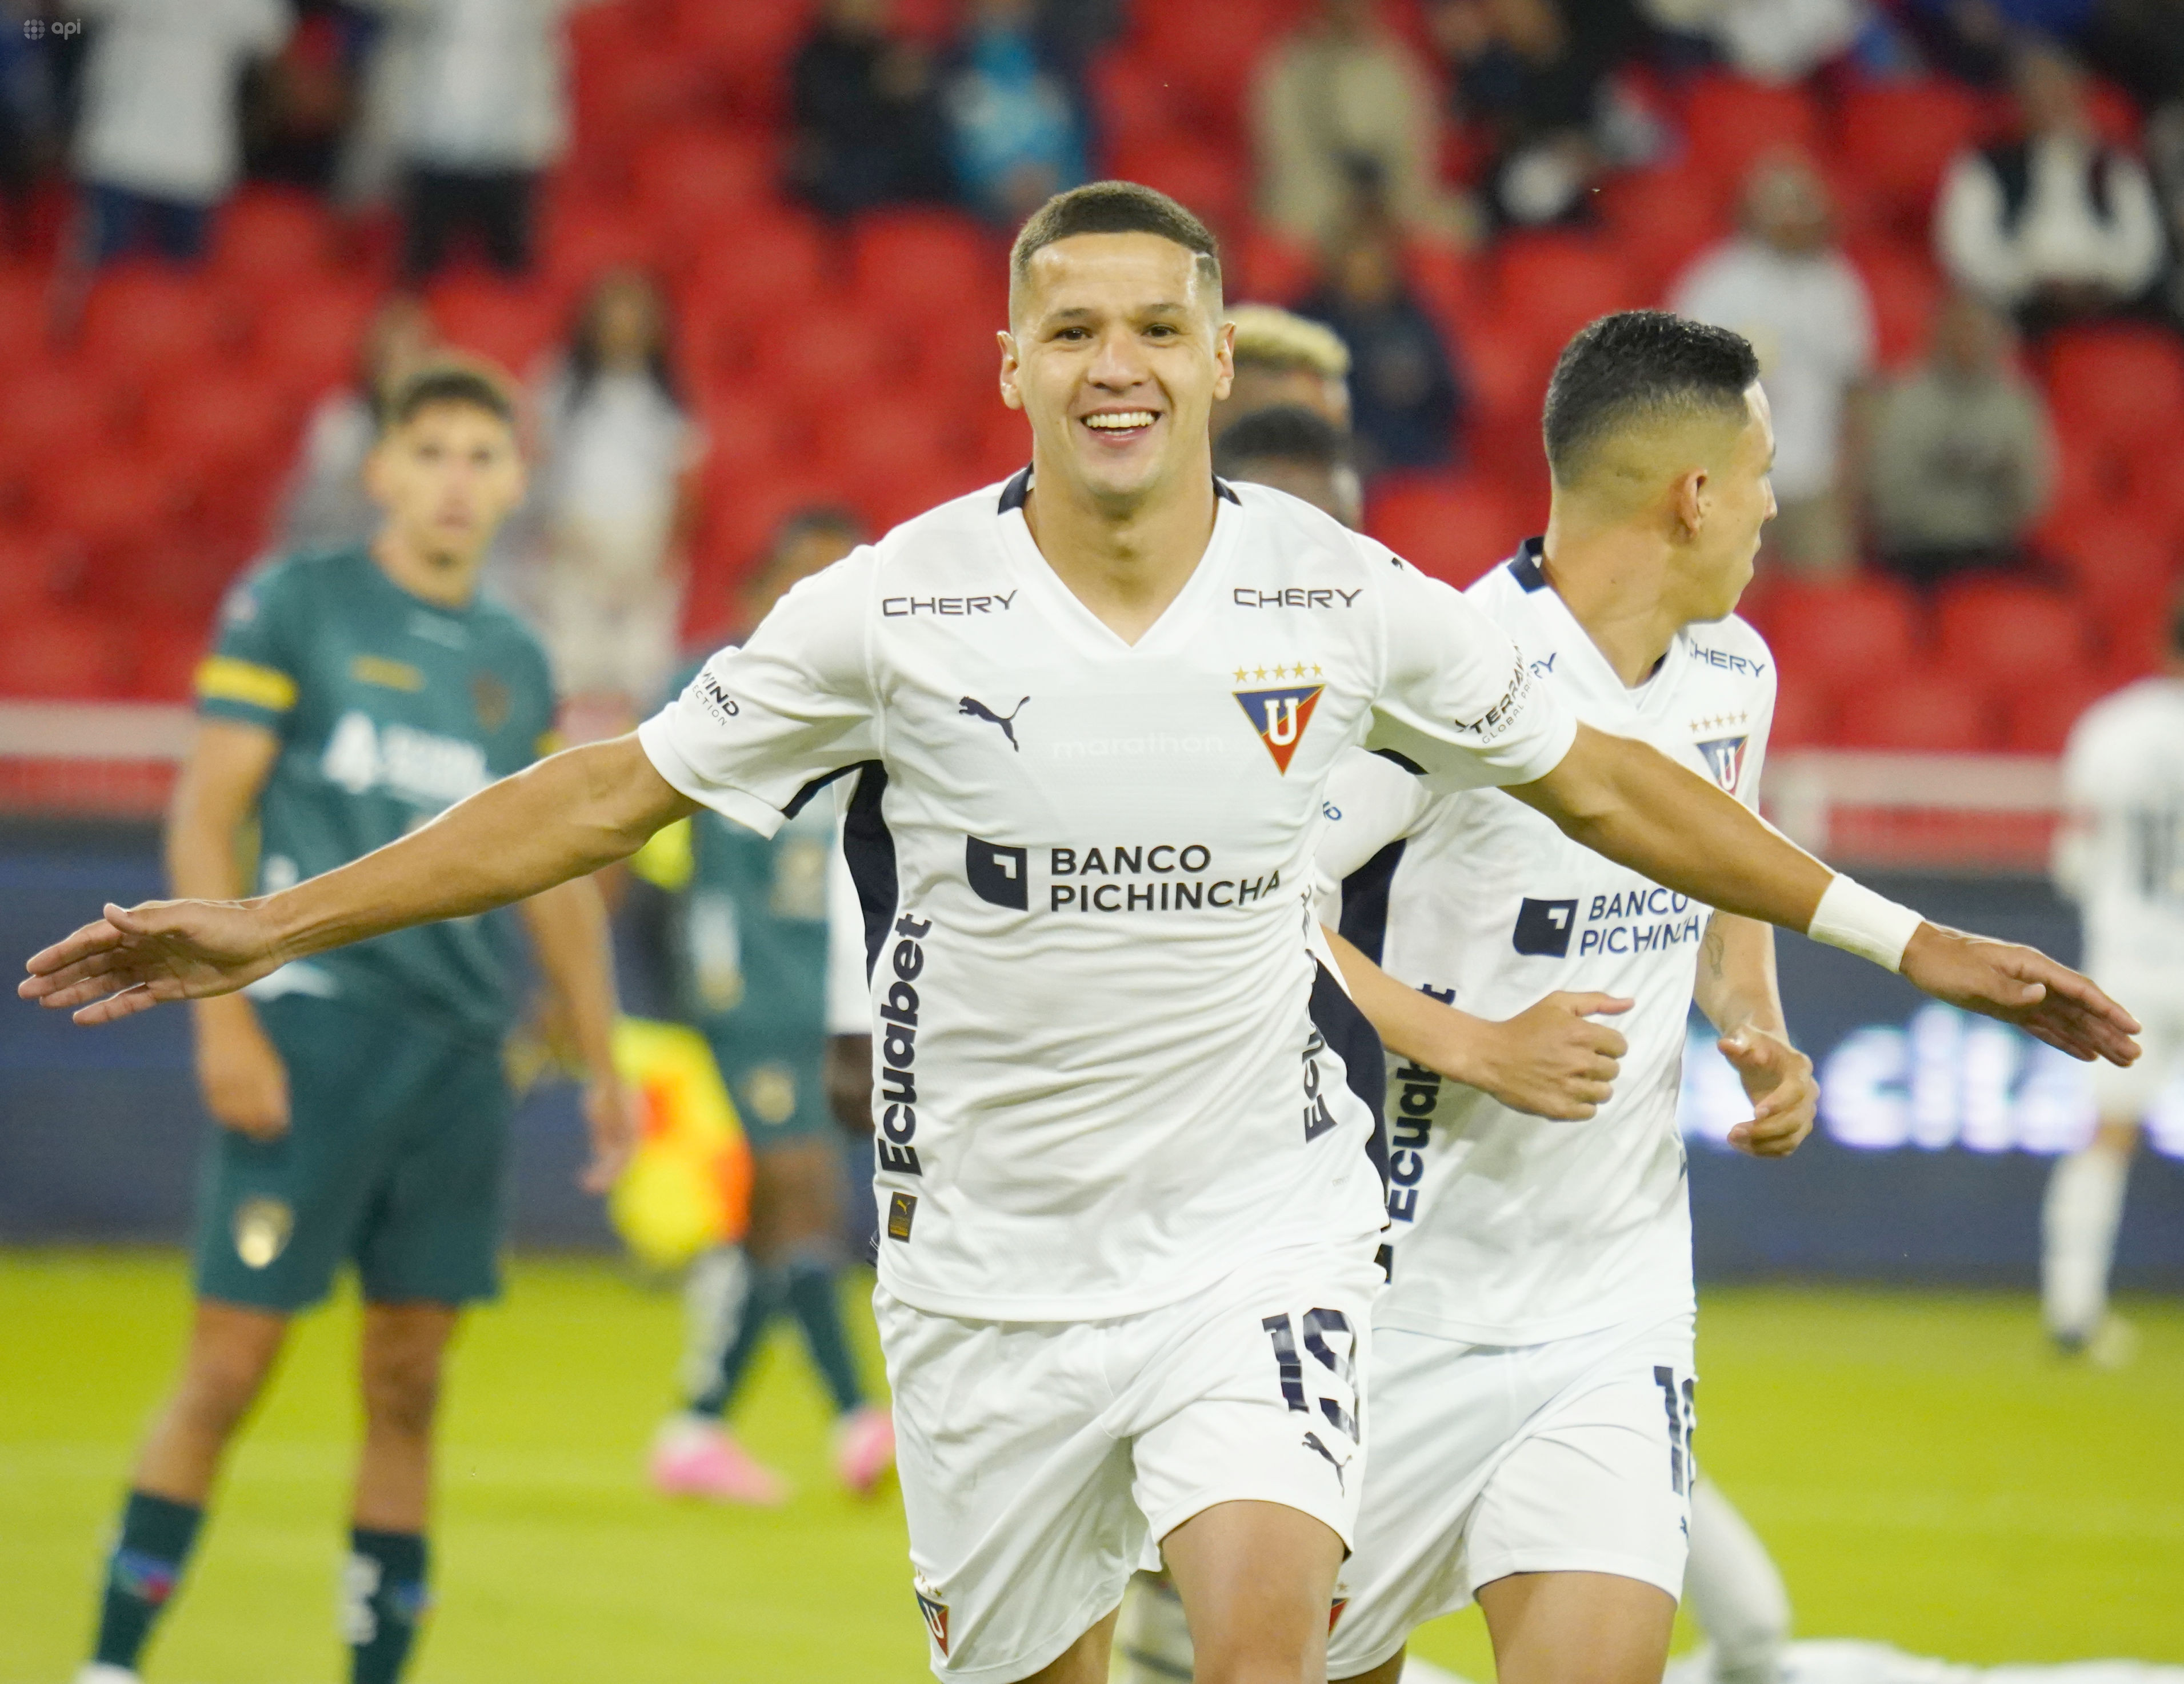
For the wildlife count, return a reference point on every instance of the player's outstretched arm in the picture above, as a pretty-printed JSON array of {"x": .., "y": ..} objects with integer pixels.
[
  {"x": 1742, "y": 998},
  {"x": 1549, "y": 1061},
  {"x": 567, "y": 815},
  {"x": 1630, "y": 802}
]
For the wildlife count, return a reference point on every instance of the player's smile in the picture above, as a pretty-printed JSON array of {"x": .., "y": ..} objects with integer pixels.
[{"x": 1118, "y": 427}]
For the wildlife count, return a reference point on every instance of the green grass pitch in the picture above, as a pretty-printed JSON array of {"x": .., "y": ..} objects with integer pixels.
[{"x": 1925, "y": 1474}]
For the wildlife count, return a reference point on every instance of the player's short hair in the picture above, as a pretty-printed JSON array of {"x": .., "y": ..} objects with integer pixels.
[
  {"x": 1281, "y": 433},
  {"x": 1639, "y": 368},
  {"x": 1271, "y": 337},
  {"x": 451, "y": 380},
  {"x": 1114, "y": 207}
]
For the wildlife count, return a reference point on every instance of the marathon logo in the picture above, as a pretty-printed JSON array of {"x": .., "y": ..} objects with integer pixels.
[
  {"x": 897, "y": 1099},
  {"x": 1670, "y": 922},
  {"x": 1168, "y": 893}
]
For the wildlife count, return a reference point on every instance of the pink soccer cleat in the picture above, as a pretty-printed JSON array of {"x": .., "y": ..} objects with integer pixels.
[
  {"x": 864, "y": 1447},
  {"x": 694, "y": 1458}
]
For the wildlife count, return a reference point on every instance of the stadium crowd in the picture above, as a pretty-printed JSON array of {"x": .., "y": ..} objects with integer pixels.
[{"x": 745, "y": 257}]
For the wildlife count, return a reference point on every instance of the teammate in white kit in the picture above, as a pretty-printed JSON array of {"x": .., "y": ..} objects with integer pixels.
[
  {"x": 1532, "y": 1379},
  {"x": 2122, "y": 856},
  {"x": 1124, "y": 1112}
]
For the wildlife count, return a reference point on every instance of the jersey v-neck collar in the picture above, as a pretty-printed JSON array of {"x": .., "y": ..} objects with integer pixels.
[
  {"x": 1642, "y": 699},
  {"x": 1078, "y": 623}
]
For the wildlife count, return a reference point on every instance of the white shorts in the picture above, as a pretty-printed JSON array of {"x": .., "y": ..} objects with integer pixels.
[
  {"x": 2157, "y": 1000},
  {"x": 1042, "y": 1462},
  {"x": 1573, "y": 1456}
]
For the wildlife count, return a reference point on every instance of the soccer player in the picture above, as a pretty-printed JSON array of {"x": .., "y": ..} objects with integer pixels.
[
  {"x": 1129, "y": 1201},
  {"x": 1532, "y": 1383},
  {"x": 2121, "y": 857},
  {"x": 352, "y": 694},
  {"x": 1296, "y": 450},
  {"x": 1279, "y": 357},
  {"x": 753, "y": 949}
]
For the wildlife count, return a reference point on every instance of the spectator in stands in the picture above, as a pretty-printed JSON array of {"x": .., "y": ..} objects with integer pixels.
[
  {"x": 1963, "y": 459},
  {"x": 327, "y": 505},
  {"x": 1771, "y": 40},
  {"x": 27, "y": 122},
  {"x": 2058, "y": 225},
  {"x": 298, "y": 105},
  {"x": 869, "y": 129},
  {"x": 1783, "y": 284},
  {"x": 483, "y": 110},
  {"x": 1283, "y": 359},
  {"x": 1294, "y": 449},
  {"x": 2165, "y": 152},
  {"x": 1018, "y": 135},
  {"x": 159, "y": 143},
  {"x": 616, "y": 498},
  {"x": 1405, "y": 398},
  {"x": 1346, "y": 101},
  {"x": 1535, "y": 74}
]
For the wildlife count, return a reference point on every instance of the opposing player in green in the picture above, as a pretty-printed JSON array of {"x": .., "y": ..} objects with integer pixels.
[
  {"x": 752, "y": 953},
  {"x": 351, "y": 696}
]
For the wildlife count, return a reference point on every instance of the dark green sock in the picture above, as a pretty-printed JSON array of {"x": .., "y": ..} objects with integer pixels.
[
  {"x": 383, "y": 1603},
  {"x": 761, "y": 1301},
  {"x": 141, "y": 1573},
  {"x": 817, "y": 1303}
]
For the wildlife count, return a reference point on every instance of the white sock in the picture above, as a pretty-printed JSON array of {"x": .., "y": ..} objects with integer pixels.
[
  {"x": 1734, "y": 1592},
  {"x": 2078, "y": 1227}
]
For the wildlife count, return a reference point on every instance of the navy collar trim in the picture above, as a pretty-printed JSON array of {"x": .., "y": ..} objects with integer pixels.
[
  {"x": 1017, "y": 491},
  {"x": 1525, "y": 565}
]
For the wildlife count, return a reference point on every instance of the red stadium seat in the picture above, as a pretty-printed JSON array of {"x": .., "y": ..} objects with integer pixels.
[
  {"x": 645, "y": 83},
  {"x": 747, "y": 46},
  {"x": 1897, "y": 139},
  {"x": 916, "y": 265},
  {"x": 1930, "y": 711},
  {"x": 1551, "y": 285},
  {"x": 1903, "y": 288},
  {"x": 2119, "y": 384},
  {"x": 1857, "y": 632},
  {"x": 1454, "y": 527},
  {"x": 230, "y": 425},
  {"x": 2013, "y": 634},
  {"x": 145, "y": 325},
  {"x": 1268, "y": 267},
  {"x": 266, "y": 237},
  {"x": 66, "y": 653},
  {"x": 1134, "y": 95},
  {"x": 2037, "y": 717},
  {"x": 777, "y": 266},
  {"x": 744, "y": 432},
  {"x": 307, "y": 341},
  {"x": 512, "y": 322},
  {"x": 1731, "y": 122},
  {"x": 883, "y": 439},
  {"x": 1207, "y": 178},
  {"x": 1658, "y": 219},
  {"x": 692, "y": 180},
  {"x": 588, "y": 234},
  {"x": 112, "y": 502},
  {"x": 53, "y": 407},
  {"x": 812, "y": 360},
  {"x": 1804, "y": 713},
  {"x": 2114, "y": 556}
]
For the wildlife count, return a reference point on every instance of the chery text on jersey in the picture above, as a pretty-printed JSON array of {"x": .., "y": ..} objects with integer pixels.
[
  {"x": 1107, "y": 1061},
  {"x": 1509, "y": 1230}
]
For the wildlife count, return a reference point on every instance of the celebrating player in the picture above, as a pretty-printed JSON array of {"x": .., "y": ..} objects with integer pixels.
[
  {"x": 1532, "y": 1381},
  {"x": 352, "y": 694},
  {"x": 1124, "y": 1108},
  {"x": 2122, "y": 856}
]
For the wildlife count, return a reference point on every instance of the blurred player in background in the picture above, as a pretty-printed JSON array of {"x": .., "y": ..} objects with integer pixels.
[
  {"x": 753, "y": 949},
  {"x": 1283, "y": 358},
  {"x": 1532, "y": 1381},
  {"x": 1297, "y": 450},
  {"x": 352, "y": 694},
  {"x": 2122, "y": 856}
]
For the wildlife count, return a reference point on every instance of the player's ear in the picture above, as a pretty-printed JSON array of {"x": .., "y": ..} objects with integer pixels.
[
  {"x": 1009, "y": 363},
  {"x": 1692, "y": 498},
  {"x": 1224, "y": 359}
]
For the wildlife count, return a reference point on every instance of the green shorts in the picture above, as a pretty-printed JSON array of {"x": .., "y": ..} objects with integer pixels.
[
  {"x": 393, "y": 1160},
  {"x": 779, "y": 1092}
]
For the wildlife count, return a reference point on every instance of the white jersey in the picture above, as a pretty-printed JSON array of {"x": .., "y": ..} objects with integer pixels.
[
  {"x": 1108, "y": 1067},
  {"x": 1509, "y": 1230},
  {"x": 2123, "y": 772}
]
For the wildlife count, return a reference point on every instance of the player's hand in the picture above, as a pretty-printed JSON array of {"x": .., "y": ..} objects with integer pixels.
[
  {"x": 241, "y": 1075},
  {"x": 1779, "y": 1081},
  {"x": 138, "y": 958},
  {"x": 2021, "y": 985},
  {"x": 1552, "y": 1060},
  {"x": 610, "y": 1114}
]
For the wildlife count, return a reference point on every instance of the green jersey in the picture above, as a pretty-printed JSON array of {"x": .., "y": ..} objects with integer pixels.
[
  {"x": 388, "y": 708},
  {"x": 755, "y": 932}
]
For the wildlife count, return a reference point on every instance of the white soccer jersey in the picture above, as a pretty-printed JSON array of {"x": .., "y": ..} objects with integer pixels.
[
  {"x": 1108, "y": 1069},
  {"x": 2123, "y": 772},
  {"x": 1509, "y": 1230}
]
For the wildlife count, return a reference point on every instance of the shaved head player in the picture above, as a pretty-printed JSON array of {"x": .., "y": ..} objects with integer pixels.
[{"x": 1128, "y": 1142}]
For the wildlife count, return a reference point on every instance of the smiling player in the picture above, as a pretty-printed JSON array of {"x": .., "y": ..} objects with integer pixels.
[{"x": 1128, "y": 1207}]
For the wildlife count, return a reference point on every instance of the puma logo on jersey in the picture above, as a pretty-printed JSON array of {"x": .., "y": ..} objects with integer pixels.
[
  {"x": 973, "y": 708},
  {"x": 1312, "y": 1442}
]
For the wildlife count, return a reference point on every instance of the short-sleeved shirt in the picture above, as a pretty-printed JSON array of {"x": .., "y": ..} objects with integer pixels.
[
  {"x": 2123, "y": 772},
  {"x": 389, "y": 709},
  {"x": 1509, "y": 1229},
  {"x": 1084, "y": 865},
  {"x": 753, "y": 933}
]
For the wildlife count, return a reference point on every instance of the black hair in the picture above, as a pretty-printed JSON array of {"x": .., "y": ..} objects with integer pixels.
[
  {"x": 449, "y": 380},
  {"x": 1281, "y": 433},
  {"x": 1114, "y": 207},
  {"x": 1636, "y": 367},
  {"x": 583, "y": 356}
]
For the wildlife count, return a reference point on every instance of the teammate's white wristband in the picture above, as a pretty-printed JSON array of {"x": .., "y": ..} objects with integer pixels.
[{"x": 1852, "y": 916}]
